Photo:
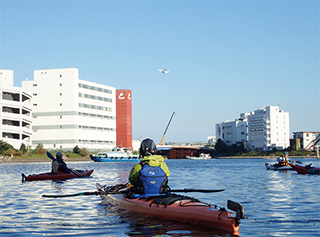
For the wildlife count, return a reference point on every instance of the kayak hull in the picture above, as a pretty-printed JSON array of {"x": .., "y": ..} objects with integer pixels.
[
  {"x": 181, "y": 211},
  {"x": 305, "y": 169},
  {"x": 276, "y": 166},
  {"x": 57, "y": 176}
]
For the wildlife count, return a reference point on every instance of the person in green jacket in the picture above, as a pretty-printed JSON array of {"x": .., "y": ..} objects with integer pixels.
[{"x": 150, "y": 176}]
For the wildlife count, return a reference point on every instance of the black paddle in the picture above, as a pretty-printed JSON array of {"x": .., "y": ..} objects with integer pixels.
[{"x": 122, "y": 192}]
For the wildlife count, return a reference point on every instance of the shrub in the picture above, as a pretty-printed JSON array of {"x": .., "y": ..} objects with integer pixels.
[
  {"x": 84, "y": 152},
  {"x": 5, "y": 146},
  {"x": 76, "y": 150},
  {"x": 40, "y": 149}
]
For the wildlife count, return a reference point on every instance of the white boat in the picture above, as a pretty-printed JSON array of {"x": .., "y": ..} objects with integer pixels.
[
  {"x": 202, "y": 156},
  {"x": 116, "y": 154}
]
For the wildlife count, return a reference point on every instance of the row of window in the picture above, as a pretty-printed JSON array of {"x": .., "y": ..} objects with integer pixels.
[
  {"x": 71, "y": 126},
  {"x": 97, "y": 115},
  {"x": 97, "y": 142},
  {"x": 94, "y": 88},
  {"x": 95, "y": 97},
  {"x": 97, "y": 128},
  {"x": 87, "y": 106},
  {"x": 256, "y": 119}
]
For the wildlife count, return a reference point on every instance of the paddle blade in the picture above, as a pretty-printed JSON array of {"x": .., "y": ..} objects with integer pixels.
[
  {"x": 71, "y": 195},
  {"x": 50, "y": 155}
]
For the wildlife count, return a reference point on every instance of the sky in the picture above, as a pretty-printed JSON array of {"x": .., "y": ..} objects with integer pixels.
[{"x": 224, "y": 57}]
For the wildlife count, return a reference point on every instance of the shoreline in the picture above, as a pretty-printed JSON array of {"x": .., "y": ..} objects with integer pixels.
[
  {"x": 38, "y": 160},
  {"x": 87, "y": 159}
]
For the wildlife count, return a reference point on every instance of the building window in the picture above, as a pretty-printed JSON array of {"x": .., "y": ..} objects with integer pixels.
[
  {"x": 60, "y": 94},
  {"x": 60, "y": 84},
  {"x": 34, "y": 84},
  {"x": 34, "y": 94},
  {"x": 60, "y": 75}
]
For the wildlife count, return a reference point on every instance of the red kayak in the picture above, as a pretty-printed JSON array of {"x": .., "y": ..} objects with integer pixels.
[
  {"x": 57, "y": 176},
  {"x": 178, "y": 208},
  {"x": 305, "y": 169}
]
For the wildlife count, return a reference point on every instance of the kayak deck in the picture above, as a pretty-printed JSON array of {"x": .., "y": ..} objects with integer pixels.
[
  {"x": 305, "y": 169},
  {"x": 57, "y": 176},
  {"x": 178, "y": 208}
]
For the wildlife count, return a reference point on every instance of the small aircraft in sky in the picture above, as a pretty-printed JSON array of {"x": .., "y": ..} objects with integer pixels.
[{"x": 164, "y": 71}]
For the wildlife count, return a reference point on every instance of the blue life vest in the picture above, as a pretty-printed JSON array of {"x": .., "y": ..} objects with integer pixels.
[{"x": 153, "y": 179}]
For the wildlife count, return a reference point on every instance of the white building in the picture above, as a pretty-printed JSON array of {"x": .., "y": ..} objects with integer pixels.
[
  {"x": 69, "y": 112},
  {"x": 308, "y": 140},
  {"x": 15, "y": 112},
  {"x": 233, "y": 132},
  {"x": 268, "y": 128},
  {"x": 212, "y": 140}
]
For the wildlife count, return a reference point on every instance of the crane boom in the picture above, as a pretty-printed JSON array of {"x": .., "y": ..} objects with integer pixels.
[{"x": 166, "y": 128}]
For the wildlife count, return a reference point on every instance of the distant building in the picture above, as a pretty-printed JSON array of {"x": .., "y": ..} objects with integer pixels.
[
  {"x": 268, "y": 128},
  {"x": 308, "y": 140},
  {"x": 212, "y": 140},
  {"x": 69, "y": 112},
  {"x": 260, "y": 130},
  {"x": 233, "y": 132},
  {"x": 15, "y": 112}
]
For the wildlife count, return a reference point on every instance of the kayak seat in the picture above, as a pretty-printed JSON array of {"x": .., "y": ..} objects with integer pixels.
[{"x": 169, "y": 199}]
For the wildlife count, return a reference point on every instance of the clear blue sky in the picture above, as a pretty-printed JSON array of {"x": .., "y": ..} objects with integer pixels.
[{"x": 224, "y": 57}]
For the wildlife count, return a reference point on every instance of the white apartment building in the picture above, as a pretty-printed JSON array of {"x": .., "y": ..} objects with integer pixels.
[
  {"x": 69, "y": 112},
  {"x": 268, "y": 128},
  {"x": 308, "y": 140},
  {"x": 15, "y": 112},
  {"x": 233, "y": 132},
  {"x": 261, "y": 130}
]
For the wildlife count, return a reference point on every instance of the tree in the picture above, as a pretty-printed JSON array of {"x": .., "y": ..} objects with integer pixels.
[
  {"x": 23, "y": 148},
  {"x": 221, "y": 147},
  {"x": 76, "y": 150},
  {"x": 5, "y": 146}
]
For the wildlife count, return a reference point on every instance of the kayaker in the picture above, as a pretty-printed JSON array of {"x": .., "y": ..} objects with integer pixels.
[
  {"x": 150, "y": 176},
  {"x": 285, "y": 158},
  {"x": 58, "y": 165}
]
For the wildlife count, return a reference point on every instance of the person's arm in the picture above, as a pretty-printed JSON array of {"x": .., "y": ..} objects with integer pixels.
[
  {"x": 134, "y": 174},
  {"x": 65, "y": 168},
  {"x": 165, "y": 168}
]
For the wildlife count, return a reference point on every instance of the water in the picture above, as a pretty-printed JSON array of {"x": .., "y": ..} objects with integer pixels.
[{"x": 277, "y": 203}]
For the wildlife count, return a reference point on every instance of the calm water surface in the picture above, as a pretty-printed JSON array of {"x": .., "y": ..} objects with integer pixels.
[{"x": 277, "y": 203}]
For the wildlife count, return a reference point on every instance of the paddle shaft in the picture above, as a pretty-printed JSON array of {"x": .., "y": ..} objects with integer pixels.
[
  {"x": 195, "y": 190},
  {"x": 122, "y": 192}
]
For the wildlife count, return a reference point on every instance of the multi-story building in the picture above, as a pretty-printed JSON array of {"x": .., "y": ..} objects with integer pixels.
[
  {"x": 262, "y": 129},
  {"x": 308, "y": 140},
  {"x": 15, "y": 112},
  {"x": 233, "y": 132},
  {"x": 69, "y": 112},
  {"x": 268, "y": 128}
]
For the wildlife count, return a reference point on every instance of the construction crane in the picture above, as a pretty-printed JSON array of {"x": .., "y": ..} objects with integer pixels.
[{"x": 166, "y": 129}]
